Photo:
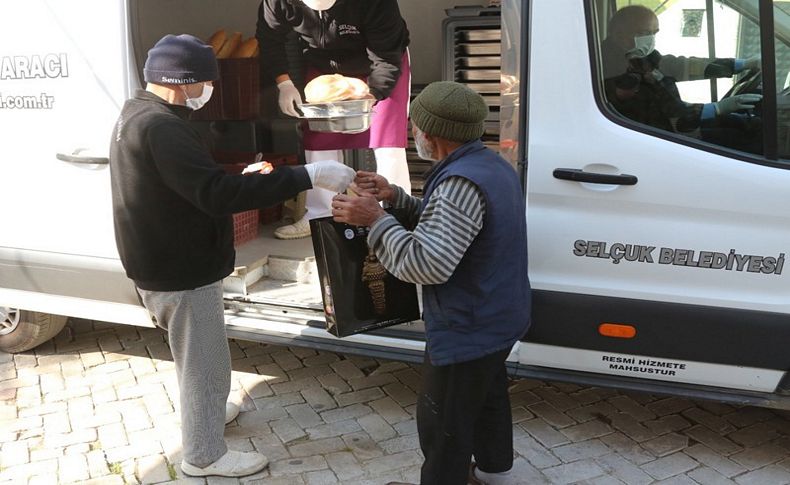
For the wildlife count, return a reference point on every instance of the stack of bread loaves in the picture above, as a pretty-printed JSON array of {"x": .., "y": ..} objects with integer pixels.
[
  {"x": 335, "y": 87},
  {"x": 232, "y": 46}
]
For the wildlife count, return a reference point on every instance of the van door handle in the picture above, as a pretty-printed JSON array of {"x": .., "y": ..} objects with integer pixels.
[
  {"x": 75, "y": 157},
  {"x": 576, "y": 175}
]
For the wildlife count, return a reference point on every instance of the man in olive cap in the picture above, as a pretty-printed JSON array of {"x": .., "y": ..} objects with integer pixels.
[
  {"x": 469, "y": 253},
  {"x": 172, "y": 209}
]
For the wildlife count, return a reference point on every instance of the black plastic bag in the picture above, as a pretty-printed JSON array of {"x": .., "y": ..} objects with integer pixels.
[{"x": 359, "y": 294}]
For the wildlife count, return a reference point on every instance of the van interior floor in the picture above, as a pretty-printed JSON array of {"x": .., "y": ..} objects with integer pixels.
[
  {"x": 270, "y": 270},
  {"x": 273, "y": 275}
]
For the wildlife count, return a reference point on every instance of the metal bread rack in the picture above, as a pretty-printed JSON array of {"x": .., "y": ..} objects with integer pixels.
[{"x": 472, "y": 56}]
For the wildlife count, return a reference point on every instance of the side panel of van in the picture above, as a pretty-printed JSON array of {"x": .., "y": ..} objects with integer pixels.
[
  {"x": 63, "y": 80},
  {"x": 705, "y": 235}
]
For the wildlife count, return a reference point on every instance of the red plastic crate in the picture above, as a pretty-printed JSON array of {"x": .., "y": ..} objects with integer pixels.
[
  {"x": 236, "y": 94},
  {"x": 232, "y": 157},
  {"x": 235, "y": 161},
  {"x": 240, "y": 88},
  {"x": 271, "y": 214},
  {"x": 245, "y": 227}
]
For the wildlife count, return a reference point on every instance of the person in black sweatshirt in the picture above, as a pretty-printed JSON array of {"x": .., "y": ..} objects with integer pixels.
[
  {"x": 172, "y": 210},
  {"x": 366, "y": 39}
]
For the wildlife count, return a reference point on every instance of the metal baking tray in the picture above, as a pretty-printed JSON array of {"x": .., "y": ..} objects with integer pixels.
[
  {"x": 341, "y": 124},
  {"x": 481, "y": 75},
  {"x": 483, "y": 88},
  {"x": 483, "y": 34},
  {"x": 482, "y": 49},
  {"x": 492, "y": 100},
  {"x": 351, "y": 107},
  {"x": 481, "y": 61}
]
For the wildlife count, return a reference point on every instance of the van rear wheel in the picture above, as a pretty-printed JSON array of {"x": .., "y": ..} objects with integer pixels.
[{"x": 22, "y": 330}]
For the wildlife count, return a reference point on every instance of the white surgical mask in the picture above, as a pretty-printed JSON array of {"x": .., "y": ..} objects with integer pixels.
[
  {"x": 644, "y": 45},
  {"x": 319, "y": 4},
  {"x": 197, "y": 103},
  {"x": 423, "y": 150}
]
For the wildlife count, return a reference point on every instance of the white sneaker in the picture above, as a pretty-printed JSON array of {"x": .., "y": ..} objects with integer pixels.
[
  {"x": 298, "y": 229},
  {"x": 231, "y": 412},
  {"x": 231, "y": 464}
]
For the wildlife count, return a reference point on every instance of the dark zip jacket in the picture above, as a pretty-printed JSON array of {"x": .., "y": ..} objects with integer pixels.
[
  {"x": 354, "y": 38},
  {"x": 172, "y": 204}
]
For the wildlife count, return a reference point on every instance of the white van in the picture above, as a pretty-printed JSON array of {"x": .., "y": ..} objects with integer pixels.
[{"x": 657, "y": 258}]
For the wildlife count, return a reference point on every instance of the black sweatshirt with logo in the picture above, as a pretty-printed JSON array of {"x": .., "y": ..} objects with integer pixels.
[
  {"x": 354, "y": 38},
  {"x": 172, "y": 204}
]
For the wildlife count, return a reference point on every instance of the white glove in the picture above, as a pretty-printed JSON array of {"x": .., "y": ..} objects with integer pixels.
[
  {"x": 736, "y": 103},
  {"x": 289, "y": 96},
  {"x": 330, "y": 175}
]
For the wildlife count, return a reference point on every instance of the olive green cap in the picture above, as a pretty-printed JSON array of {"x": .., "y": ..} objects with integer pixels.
[{"x": 449, "y": 110}]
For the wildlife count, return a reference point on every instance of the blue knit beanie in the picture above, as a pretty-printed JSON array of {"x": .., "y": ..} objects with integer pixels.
[{"x": 180, "y": 59}]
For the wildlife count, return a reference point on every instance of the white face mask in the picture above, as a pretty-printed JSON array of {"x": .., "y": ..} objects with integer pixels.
[
  {"x": 197, "y": 103},
  {"x": 319, "y": 4},
  {"x": 423, "y": 150},
  {"x": 644, "y": 45}
]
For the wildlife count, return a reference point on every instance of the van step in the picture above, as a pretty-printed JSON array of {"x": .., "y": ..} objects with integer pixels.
[
  {"x": 293, "y": 293},
  {"x": 284, "y": 270},
  {"x": 288, "y": 268},
  {"x": 245, "y": 275}
]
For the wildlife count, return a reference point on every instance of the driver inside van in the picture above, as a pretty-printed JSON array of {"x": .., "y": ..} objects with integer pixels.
[{"x": 640, "y": 82}]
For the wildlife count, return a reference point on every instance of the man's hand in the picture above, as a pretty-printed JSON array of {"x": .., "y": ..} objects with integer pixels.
[
  {"x": 736, "y": 103},
  {"x": 370, "y": 183},
  {"x": 357, "y": 211}
]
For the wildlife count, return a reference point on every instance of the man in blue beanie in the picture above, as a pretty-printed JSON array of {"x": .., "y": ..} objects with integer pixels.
[
  {"x": 469, "y": 253},
  {"x": 172, "y": 209}
]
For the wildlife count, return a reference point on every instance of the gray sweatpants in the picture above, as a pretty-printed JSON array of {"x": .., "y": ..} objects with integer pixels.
[{"x": 196, "y": 328}]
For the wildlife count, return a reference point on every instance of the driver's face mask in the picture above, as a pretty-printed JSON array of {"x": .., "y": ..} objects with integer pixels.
[
  {"x": 644, "y": 45},
  {"x": 197, "y": 103},
  {"x": 319, "y": 4}
]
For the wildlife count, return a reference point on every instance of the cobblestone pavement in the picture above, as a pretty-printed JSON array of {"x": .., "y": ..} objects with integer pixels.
[{"x": 97, "y": 405}]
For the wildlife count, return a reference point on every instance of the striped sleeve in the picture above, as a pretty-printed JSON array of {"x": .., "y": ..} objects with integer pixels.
[
  {"x": 405, "y": 201},
  {"x": 429, "y": 255}
]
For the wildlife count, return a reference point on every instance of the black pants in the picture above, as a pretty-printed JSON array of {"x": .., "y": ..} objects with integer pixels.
[{"x": 464, "y": 410}]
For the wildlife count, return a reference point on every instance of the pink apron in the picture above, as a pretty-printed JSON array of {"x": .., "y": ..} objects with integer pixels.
[{"x": 388, "y": 125}]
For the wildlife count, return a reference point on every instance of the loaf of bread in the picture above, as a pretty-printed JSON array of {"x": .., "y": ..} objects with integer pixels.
[
  {"x": 217, "y": 39},
  {"x": 335, "y": 87},
  {"x": 248, "y": 48},
  {"x": 359, "y": 88},
  {"x": 229, "y": 47}
]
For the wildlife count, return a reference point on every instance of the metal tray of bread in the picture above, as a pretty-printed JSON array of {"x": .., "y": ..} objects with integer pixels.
[
  {"x": 351, "y": 107},
  {"x": 481, "y": 75},
  {"x": 482, "y": 61},
  {"x": 341, "y": 124},
  {"x": 483, "y": 34},
  {"x": 492, "y": 100},
  {"x": 484, "y": 88},
  {"x": 482, "y": 49}
]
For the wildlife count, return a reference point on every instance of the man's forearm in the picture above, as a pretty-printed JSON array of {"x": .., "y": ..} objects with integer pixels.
[{"x": 429, "y": 254}]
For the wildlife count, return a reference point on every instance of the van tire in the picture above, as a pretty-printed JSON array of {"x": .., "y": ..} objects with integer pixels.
[{"x": 34, "y": 329}]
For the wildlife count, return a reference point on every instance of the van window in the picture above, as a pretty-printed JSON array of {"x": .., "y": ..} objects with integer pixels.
[{"x": 692, "y": 68}]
